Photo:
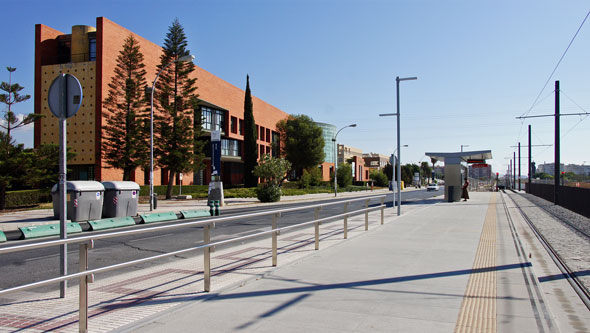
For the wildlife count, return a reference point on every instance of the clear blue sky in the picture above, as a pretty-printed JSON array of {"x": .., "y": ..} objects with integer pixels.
[{"x": 479, "y": 64}]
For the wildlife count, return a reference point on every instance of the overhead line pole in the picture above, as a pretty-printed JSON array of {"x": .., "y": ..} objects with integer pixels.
[
  {"x": 519, "y": 166},
  {"x": 557, "y": 171},
  {"x": 530, "y": 163}
]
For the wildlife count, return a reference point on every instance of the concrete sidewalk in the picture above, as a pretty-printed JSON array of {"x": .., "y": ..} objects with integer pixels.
[{"x": 441, "y": 268}]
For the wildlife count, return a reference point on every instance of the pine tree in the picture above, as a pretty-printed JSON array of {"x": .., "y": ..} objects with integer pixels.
[
  {"x": 125, "y": 145},
  {"x": 13, "y": 158},
  {"x": 250, "y": 136},
  {"x": 175, "y": 145}
]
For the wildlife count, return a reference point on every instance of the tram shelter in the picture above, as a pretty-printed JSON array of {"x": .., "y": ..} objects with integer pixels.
[{"x": 455, "y": 169}]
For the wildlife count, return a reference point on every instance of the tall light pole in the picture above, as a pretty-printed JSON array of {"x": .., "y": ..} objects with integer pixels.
[
  {"x": 336, "y": 159},
  {"x": 393, "y": 175},
  {"x": 186, "y": 58},
  {"x": 463, "y": 146}
]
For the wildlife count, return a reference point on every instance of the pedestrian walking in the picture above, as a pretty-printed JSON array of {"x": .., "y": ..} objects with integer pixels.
[{"x": 465, "y": 194}]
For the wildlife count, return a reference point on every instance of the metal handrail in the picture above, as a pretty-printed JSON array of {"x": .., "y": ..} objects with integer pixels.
[
  {"x": 86, "y": 242},
  {"x": 82, "y": 239}
]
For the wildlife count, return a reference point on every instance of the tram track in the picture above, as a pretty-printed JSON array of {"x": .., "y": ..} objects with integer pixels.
[{"x": 567, "y": 272}]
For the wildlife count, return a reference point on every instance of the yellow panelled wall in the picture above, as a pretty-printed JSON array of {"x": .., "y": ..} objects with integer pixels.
[{"x": 81, "y": 129}]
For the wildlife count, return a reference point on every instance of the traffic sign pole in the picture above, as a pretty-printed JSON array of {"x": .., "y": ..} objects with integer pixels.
[
  {"x": 64, "y": 99},
  {"x": 63, "y": 262}
]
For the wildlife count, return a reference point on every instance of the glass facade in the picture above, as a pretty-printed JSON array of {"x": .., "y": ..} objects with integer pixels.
[
  {"x": 213, "y": 120},
  {"x": 328, "y": 131}
]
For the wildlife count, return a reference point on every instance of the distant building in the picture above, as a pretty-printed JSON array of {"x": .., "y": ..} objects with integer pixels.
[
  {"x": 327, "y": 167},
  {"x": 355, "y": 155},
  {"x": 374, "y": 161},
  {"x": 549, "y": 168},
  {"x": 480, "y": 171},
  {"x": 578, "y": 169}
]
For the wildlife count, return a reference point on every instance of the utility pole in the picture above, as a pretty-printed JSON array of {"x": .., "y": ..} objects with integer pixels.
[
  {"x": 557, "y": 164},
  {"x": 519, "y": 166},
  {"x": 530, "y": 163},
  {"x": 514, "y": 171}
]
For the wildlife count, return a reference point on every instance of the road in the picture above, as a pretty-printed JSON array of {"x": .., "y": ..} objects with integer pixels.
[{"x": 35, "y": 265}]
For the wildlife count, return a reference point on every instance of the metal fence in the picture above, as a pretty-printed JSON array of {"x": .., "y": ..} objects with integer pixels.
[
  {"x": 85, "y": 243},
  {"x": 573, "y": 198}
]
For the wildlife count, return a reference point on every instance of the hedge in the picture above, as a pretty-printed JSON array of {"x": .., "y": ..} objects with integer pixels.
[{"x": 15, "y": 199}]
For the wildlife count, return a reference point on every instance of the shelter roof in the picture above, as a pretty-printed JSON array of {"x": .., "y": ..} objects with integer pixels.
[{"x": 463, "y": 155}]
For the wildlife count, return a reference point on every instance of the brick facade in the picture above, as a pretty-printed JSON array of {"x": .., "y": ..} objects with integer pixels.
[{"x": 213, "y": 92}]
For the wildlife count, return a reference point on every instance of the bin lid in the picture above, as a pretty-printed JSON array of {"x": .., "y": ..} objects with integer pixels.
[
  {"x": 121, "y": 185},
  {"x": 81, "y": 186}
]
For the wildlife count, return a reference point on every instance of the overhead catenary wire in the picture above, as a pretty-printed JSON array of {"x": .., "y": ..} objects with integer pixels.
[{"x": 557, "y": 65}]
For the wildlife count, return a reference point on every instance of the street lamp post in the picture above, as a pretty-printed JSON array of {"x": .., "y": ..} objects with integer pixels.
[
  {"x": 336, "y": 159},
  {"x": 463, "y": 146},
  {"x": 399, "y": 168},
  {"x": 393, "y": 175},
  {"x": 186, "y": 58}
]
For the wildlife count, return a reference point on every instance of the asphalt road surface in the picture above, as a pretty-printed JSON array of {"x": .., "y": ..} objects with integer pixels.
[{"x": 36, "y": 265}]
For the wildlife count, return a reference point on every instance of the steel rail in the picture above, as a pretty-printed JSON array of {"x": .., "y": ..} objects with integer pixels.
[
  {"x": 188, "y": 223},
  {"x": 570, "y": 275}
]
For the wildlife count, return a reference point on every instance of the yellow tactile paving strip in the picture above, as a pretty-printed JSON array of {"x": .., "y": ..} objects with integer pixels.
[{"x": 478, "y": 310}]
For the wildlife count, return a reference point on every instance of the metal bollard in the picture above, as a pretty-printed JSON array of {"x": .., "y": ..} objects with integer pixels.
[
  {"x": 207, "y": 259},
  {"x": 367, "y": 215},
  {"x": 216, "y": 203},
  {"x": 345, "y": 220},
  {"x": 275, "y": 218},
  {"x": 211, "y": 209},
  {"x": 84, "y": 280},
  {"x": 317, "y": 228},
  {"x": 382, "y": 201}
]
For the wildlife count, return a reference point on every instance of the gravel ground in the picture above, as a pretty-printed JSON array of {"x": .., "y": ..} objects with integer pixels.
[{"x": 572, "y": 246}]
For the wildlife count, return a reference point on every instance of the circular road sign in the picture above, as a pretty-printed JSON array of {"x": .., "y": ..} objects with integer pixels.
[{"x": 65, "y": 96}]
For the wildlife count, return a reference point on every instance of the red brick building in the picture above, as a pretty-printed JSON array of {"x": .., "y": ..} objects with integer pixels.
[{"x": 90, "y": 54}]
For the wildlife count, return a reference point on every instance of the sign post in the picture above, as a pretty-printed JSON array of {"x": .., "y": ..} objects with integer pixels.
[
  {"x": 64, "y": 98},
  {"x": 216, "y": 185}
]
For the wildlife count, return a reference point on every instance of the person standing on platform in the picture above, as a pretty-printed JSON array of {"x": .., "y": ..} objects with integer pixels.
[{"x": 464, "y": 193}]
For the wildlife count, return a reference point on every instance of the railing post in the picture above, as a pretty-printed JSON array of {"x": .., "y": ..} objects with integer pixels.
[
  {"x": 317, "y": 228},
  {"x": 84, "y": 280},
  {"x": 345, "y": 220},
  {"x": 275, "y": 218},
  {"x": 382, "y": 208},
  {"x": 207, "y": 258},
  {"x": 366, "y": 214}
]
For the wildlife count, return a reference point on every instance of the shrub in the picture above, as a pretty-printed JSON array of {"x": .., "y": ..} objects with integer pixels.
[
  {"x": 379, "y": 178},
  {"x": 344, "y": 173},
  {"x": 310, "y": 178},
  {"x": 268, "y": 193},
  {"x": 15, "y": 199}
]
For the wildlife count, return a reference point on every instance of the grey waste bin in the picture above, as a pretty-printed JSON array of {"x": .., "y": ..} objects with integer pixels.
[
  {"x": 451, "y": 193},
  {"x": 84, "y": 200},
  {"x": 120, "y": 199}
]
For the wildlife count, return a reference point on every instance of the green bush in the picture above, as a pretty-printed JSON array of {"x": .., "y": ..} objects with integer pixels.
[
  {"x": 379, "y": 178},
  {"x": 310, "y": 178},
  {"x": 248, "y": 192},
  {"x": 15, "y": 199},
  {"x": 186, "y": 189},
  {"x": 268, "y": 193},
  {"x": 344, "y": 173}
]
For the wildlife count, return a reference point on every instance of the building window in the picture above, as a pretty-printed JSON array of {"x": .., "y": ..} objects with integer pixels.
[
  {"x": 257, "y": 131},
  {"x": 213, "y": 120},
  {"x": 268, "y": 135},
  {"x": 275, "y": 144},
  {"x": 241, "y": 124},
  {"x": 230, "y": 147},
  {"x": 92, "y": 49},
  {"x": 234, "y": 125}
]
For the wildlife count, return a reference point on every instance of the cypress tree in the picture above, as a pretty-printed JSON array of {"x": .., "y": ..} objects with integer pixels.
[
  {"x": 125, "y": 145},
  {"x": 175, "y": 144},
  {"x": 250, "y": 136}
]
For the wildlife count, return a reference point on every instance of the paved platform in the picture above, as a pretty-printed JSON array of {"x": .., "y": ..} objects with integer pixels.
[{"x": 442, "y": 267}]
